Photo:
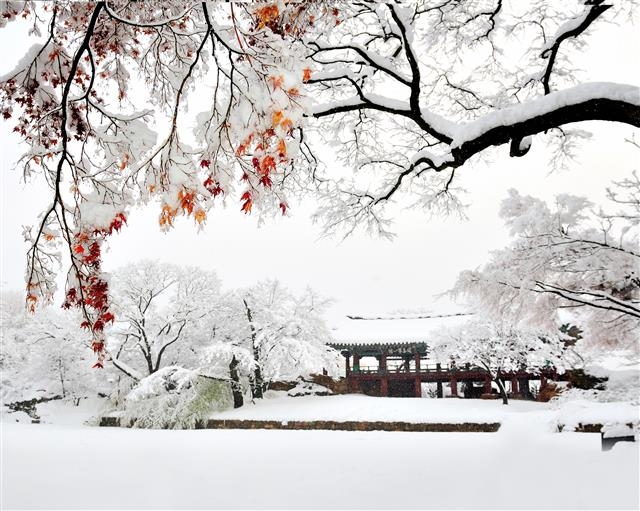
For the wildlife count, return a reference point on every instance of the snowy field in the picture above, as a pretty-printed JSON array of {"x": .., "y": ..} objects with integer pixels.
[
  {"x": 524, "y": 466},
  {"x": 73, "y": 467}
]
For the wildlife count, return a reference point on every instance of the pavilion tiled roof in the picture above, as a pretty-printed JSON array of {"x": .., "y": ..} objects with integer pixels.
[{"x": 392, "y": 330}]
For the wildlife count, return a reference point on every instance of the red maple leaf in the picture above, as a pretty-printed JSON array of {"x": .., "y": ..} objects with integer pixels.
[
  {"x": 266, "y": 181},
  {"x": 108, "y": 317}
]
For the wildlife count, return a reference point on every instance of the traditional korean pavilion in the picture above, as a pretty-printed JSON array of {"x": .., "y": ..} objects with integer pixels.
[{"x": 390, "y": 357}]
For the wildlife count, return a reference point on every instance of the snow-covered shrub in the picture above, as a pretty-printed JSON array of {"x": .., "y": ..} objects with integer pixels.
[
  {"x": 307, "y": 388},
  {"x": 175, "y": 398},
  {"x": 621, "y": 386}
]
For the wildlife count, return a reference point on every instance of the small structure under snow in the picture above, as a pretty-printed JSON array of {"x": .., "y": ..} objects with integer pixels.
[{"x": 389, "y": 356}]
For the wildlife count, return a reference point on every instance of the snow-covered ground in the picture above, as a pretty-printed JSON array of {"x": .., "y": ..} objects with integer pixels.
[
  {"x": 73, "y": 467},
  {"x": 354, "y": 407},
  {"x": 66, "y": 465}
]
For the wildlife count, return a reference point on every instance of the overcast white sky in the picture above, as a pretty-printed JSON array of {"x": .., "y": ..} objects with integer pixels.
[{"x": 362, "y": 274}]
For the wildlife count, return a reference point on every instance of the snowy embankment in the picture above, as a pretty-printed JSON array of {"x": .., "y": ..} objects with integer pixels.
[{"x": 353, "y": 407}]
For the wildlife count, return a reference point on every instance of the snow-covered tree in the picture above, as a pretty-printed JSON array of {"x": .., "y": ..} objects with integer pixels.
[
  {"x": 121, "y": 103},
  {"x": 41, "y": 354},
  {"x": 283, "y": 335},
  {"x": 570, "y": 263},
  {"x": 499, "y": 348},
  {"x": 163, "y": 316},
  {"x": 228, "y": 360}
]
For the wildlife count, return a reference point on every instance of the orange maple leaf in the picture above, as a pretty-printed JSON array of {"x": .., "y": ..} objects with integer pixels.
[
  {"x": 276, "y": 81},
  {"x": 267, "y": 14},
  {"x": 187, "y": 200},
  {"x": 167, "y": 215},
  {"x": 282, "y": 148},
  {"x": 31, "y": 302},
  {"x": 267, "y": 165},
  {"x": 246, "y": 207},
  {"x": 200, "y": 216},
  {"x": 287, "y": 124},
  {"x": 242, "y": 148}
]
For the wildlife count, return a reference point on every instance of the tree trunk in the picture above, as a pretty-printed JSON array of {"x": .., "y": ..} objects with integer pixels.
[
  {"x": 503, "y": 392},
  {"x": 236, "y": 388},
  {"x": 61, "y": 375},
  {"x": 257, "y": 389}
]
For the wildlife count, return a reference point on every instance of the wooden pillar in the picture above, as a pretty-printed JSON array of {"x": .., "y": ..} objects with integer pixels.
[
  {"x": 418, "y": 387},
  {"x": 417, "y": 359},
  {"x": 524, "y": 387},
  {"x": 439, "y": 392},
  {"x": 347, "y": 364},
  {"x": 438, "y": 367},
  {"x": 487, "y": 384},
  {"x": 383, "y": 362},
  {"x": 454, "y": 387},
  {"x": 514, "y": 386},
  {"x": 356, "y": 362},
  {"x": 384, "y": 387},
  {"x": 543, "y": 381}
]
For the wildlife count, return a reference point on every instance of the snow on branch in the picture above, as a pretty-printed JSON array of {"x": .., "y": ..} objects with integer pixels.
[{"x": 240, "y": 99}]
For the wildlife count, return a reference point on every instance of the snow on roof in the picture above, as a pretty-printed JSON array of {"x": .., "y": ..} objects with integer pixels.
[{"x": 393, "y": 329}]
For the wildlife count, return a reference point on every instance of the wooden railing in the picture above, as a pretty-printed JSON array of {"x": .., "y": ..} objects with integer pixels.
[
  {"x": 434, "y": 368},
  {"x": 424, "y": 368}
]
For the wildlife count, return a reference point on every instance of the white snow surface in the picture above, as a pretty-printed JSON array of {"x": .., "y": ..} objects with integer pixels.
[
  {"x": 26, "y": 59},
  {"x": 57, "y": 466},
  {"x": 81, "y": 467}
]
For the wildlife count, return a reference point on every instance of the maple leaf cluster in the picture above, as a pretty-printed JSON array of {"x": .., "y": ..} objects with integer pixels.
[
  {"x": 68, "y": 101},
  {"x": 266, "y": 151},
  {"x": 90, "y": 291}
]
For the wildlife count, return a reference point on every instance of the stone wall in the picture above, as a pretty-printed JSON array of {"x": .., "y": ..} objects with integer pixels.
[
  {"x": 466, "y": 427},
  {"x": 338, "y": 386}
]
